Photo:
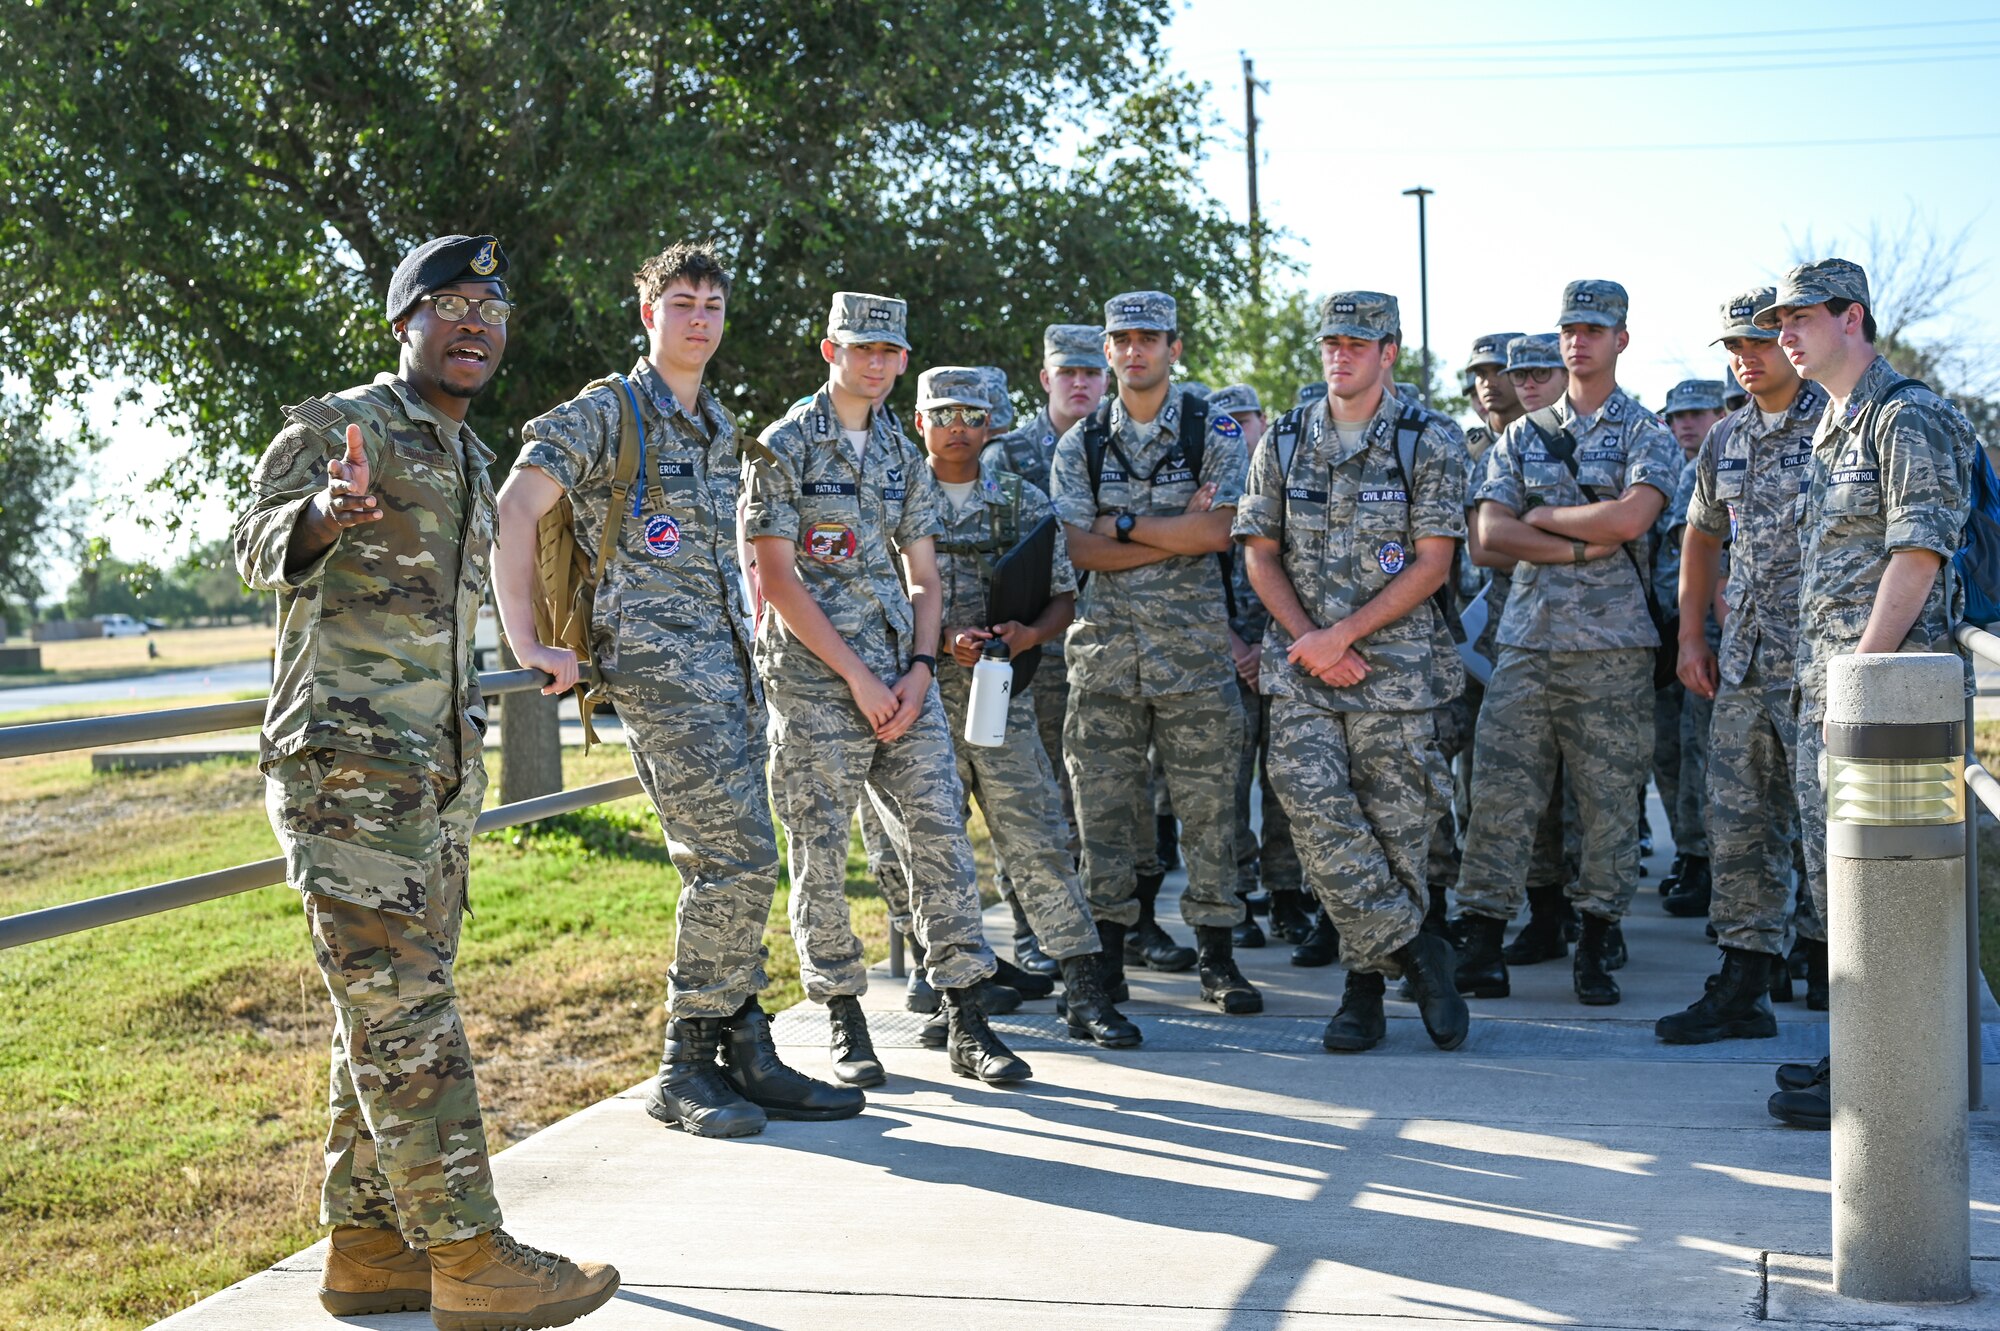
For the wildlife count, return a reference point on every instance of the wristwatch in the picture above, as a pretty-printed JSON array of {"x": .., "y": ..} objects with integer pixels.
[
  {"x": 1577, "y": 551},
  {"x": 1124, "y": 527},
  {"x": 929, "y": 662}
]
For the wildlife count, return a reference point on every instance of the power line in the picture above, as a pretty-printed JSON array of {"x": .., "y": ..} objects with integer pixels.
[
  {"x": 1659, "y": 57},
  {"x": 1551, "y": 150},
  {"x": 1671, "y": 38},
  {"x": 1802, "y": 67}
]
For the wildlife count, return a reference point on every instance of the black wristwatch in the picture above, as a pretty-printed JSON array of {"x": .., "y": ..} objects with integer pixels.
[
  {"x": 1124, "y": 527},
  {"x": 930, "y": 662}
]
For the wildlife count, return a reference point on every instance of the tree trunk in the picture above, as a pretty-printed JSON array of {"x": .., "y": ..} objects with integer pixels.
[{"x": 530, "y": 742}]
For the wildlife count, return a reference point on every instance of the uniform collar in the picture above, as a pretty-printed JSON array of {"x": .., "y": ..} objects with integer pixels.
[
  {"x": 707, "y": 418},
  {"x": 1878, "y": 376},
  {"x": 450, "y": 432},
  {"x": 1323, "y": 430},
  {"x": 1167, "y": 422},
  {"x": 1618, "y": 409}
]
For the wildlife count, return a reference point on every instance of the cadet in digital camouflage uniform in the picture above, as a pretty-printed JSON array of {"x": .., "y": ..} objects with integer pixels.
[
  {"x": 371, "y": 516},
  {"x": 1747, "y": 481},
  {"x": 671, "y": 639},
  {"x": 1575, "y": 676},
  {"x": 1884, "y": 511},
  {"x": 1680, "y": 720},
  {"x": 1346, "y": 547},
  {"x": 1148, "y": 653},
  {"x": 835, "y": 497}
]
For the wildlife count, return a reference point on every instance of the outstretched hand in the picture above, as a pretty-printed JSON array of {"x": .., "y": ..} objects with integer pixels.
[{"x": 347, "y": 499}]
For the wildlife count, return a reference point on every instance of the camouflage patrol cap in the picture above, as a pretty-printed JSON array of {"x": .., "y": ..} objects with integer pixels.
[
  {"x": 439, "y": 262},
  {"x": 1739, "y": 314},
  {"x": 1489, "y": 350},
  {"x": 1593, "y": 301},
  {"x": 1366, "y": 314},
  {"x": 1536, "y": 351},
  {"x": 1079, "y": 345},
  {"x": 1694, "y": 395},
  {"x": 1408, "y": 392},
  {"x": 1194, "y": 388},
  {"x": 952, "y": 386},
  {"x": 1733, "y": 395},
  {"x": 1141, "y": 311},
  {"x": 997, "y": 401},
  {"x": 1235, "y": 399},
  {"x": 858, "y": 318},
  {"x": 1815, "y": 284},
  {"x": 1312, "y": 393}
]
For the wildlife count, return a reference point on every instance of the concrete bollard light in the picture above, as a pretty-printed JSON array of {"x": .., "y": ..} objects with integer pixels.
[{"x": 1895, "y": 840}]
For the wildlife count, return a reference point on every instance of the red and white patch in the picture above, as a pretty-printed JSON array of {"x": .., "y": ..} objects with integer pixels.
[
  {"x": 831, "y": 543},
  {"x": 663, "y": 537}
]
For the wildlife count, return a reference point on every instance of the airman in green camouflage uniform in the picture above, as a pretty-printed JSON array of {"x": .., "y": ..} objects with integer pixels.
[
  {"x": 1574, "y": 678},
  {"x": 1747, "y": 481},
  {"x": 371, "y": 516},
  {"x": 835, "y": 497},
  {"x": 1347, "y": 545},
  {"x": 1148, "y": 653}
]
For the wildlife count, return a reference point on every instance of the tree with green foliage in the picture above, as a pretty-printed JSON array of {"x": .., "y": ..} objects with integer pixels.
[
  {"x": 211, "y": 196},
  {"x": 36, "y": 473}
]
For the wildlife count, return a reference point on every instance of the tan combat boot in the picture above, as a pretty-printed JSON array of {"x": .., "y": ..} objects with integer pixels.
[
  {"x": 494, "y": 1282},
  {"x": 373, "y": 1271}
]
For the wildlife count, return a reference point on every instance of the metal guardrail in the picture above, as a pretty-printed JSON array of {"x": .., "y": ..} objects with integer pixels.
[
  {"x": 1980, "y": 645},
  {"x": 89, "y": 732}
]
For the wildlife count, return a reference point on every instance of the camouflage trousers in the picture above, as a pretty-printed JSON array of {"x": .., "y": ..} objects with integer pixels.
[
  {"x": 1680, "y": 764},
  {"x": 1589, "y": 712},
  {"x": 1364, "y": 790},
  {"x": 1453, "y": 728},
  {"x": 1200, "y": 738},
  {"x": 702, "y": 765},
  {"x": 1753, "y": 814},
  {"x": 1049, "y": 709},
  {"x": 1811, "y": 747},
  {"x": 824, "y": 760},
  {"x": 379, "y": 851},
  {"x": 1270, "y": 859}
]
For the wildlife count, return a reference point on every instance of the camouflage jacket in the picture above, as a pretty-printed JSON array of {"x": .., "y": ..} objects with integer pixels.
[
  {"x": 1901, "y": 484},
  {"x": 1347, "y": 522},
  {"x": 1027, "y": 449},
  {"x": 375, "y": 636},
  {"x": 670, "y": 615},
  {"x": 1601, "y": 605},
  {"x": 848, "y": 517},
  {"x": 1161, "y": 628},
  {"x": 1747, "y": 483}
]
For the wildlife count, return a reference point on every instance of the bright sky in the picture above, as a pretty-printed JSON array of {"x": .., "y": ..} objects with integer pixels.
[{"x": 1565, "y": 140}]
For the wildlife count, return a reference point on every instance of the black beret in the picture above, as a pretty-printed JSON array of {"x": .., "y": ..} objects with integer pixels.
[{"x": 439, "y": 263}]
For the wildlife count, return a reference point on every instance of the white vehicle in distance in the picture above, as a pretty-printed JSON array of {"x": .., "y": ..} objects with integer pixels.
[
  {"x": 486, "y": 638},
  {"x": 122, "y": 626}
]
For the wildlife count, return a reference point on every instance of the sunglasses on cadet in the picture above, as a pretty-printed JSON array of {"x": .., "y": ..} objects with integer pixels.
[
  {"x": 950, "y": 416},
  {"x": 452, "y": 308}
]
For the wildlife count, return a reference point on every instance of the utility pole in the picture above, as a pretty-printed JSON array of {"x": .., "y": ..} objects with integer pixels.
[
  {"x": 1250, "y": 144},
  {"x": 1423, "y": 283}
]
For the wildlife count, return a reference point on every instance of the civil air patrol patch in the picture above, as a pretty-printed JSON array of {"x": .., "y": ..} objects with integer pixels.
[
  {"x": 1227, "y": 427},
  {"x": 484, "y": 262},
  {"x": 1389, "y": 557},
  {"x": 663, "y": 537},
  {"x": 830, "y": 542}
]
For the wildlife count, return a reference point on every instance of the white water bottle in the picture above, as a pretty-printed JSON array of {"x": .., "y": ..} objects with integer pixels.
[{"x": 992, "y": 685}]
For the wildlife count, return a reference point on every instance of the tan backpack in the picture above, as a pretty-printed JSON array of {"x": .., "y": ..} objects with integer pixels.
[{"x": 566, "y": 578}]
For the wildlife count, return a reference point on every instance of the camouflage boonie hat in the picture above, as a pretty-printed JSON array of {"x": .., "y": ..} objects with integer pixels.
[
  {"x": 1489, "y": 350},
  {"x": 1815, "y": 284},
  {"x": 997, "y": 400},
  {"x": 1594, "y": 302},
  {"x": 1312, "y": 393},
  {"x": 1080, "y": 345},
  {"x": 858, "y": 318},
  {"x": 1537, "y": 351},
  {"x": 1733, "y": 394},
  {"x": 1141, "y": 311},
  {"x": 1366, "y": 314},
  {"x": 1694, "y": 395},
  {"x": 952, "y": 386},
  {"x": 1234, "y": 399}
]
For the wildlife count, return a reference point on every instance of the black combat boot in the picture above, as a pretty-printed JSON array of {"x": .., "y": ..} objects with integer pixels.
[
  {"x": 1615, "y": 955},
  {"x": 1588, "y": 973},
  {"x": 1690, "y": 899},
  {"x": 1541, "y": 938},
  {"x": 1808, "y": 1106},
  {"x": 1736, "y": 1007},
  {"x": 1781, "y": 981},
  {"x": 1798, "y": 1076},
  {"x": 1024, "y": 983},
  {"x": 1249, "y": 933},
  {"x": 1320, "y": 945},
  {"x": 1674, "y": 875},
  {"x": 1149, "y": 946},
  {"x": 1796, "y": 962},
  {"x": 853, "y": 1053},
  {"x": 1028, "y": 954},
  {"x": 1221, "y": 983},
  {"x": 1111, "y": 956},
  {"x": 918, "y": 996},
  {"x": 1168, "y": 841},
  {"x": 750, "y": 1061},
  {"x": 1087, "y": 1006},
  {"x": 973, "y": 1048},
  {"x": 691, "y": 1092},
  {"x": 1359, "y": 1024},
  {"x": 1819, "y": 977},
  {"x": 1482, "y": 970},
  {"x": 1437, "y": 917},
  {"x": 1257, "y": 901},
  {"x": 1572, "y": 922},
  {"x": 1291, "y": 916},
  {"x": 1430, "y": 968}
]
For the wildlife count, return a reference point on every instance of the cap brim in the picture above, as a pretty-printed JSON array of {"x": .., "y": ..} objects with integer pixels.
[
  {"x": 1746, "y": 330},
  {"x": 1477, "y": 361},
  {"x": 1074, "y": 360},
  {"x": 1597, "y": 317},
  {"x": 1349, "y": 330},
  {"x": 1776, "y": 313},
  {"x": 1148, "y": 327},
  {"x": 925, "y": 404},
  {"x": 847, "y": 339}
]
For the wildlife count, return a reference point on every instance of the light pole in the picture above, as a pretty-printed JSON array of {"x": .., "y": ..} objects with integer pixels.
[{"x": 1423, "y": 283}]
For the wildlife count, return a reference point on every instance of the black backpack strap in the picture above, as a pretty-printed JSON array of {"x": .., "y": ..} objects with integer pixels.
[
  {"x": 1409, "y": 429},
  {"x": 1096, "y": 439},
  {"x": 1285, "y": 439},
  {"x": 1194, "y": 433}
]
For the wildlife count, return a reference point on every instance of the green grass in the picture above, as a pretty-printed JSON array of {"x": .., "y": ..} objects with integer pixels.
[{"x": 162, "y": 1082}]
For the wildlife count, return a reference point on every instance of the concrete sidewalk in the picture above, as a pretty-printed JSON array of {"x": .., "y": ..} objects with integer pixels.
[{"x": 1562, "y": 1169}]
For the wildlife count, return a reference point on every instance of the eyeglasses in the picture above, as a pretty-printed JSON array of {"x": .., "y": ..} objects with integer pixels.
[
  {"x": 1540, "y": 375},
  {"x": 452, "y": 308},
  {"x": 950, "y": 416}
]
